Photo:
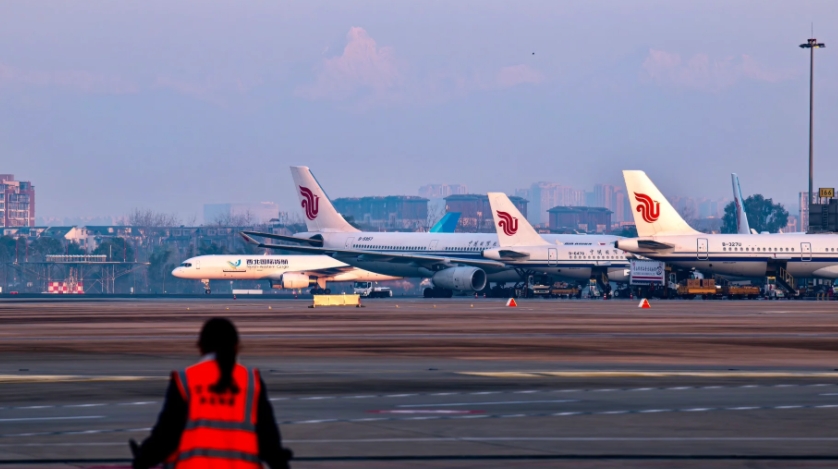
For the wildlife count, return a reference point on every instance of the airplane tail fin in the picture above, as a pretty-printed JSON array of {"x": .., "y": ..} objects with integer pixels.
[
  {"x": 446, "y": 224},
  {"x": 319, "y": 212},
  {"x": 742, "y": 226},
  {"x": 653, "y": 214},
  {"x": 512, "y": 227}
]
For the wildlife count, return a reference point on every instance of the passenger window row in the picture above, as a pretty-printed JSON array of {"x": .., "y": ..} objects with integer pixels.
[{"x": 759, "y": 249}]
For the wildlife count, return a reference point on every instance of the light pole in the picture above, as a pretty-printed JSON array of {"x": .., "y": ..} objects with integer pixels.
[{"x": 811, "y": 44}]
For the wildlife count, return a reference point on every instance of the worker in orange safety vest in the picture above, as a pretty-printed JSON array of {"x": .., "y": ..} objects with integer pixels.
[{"x": 217, "y": 413}]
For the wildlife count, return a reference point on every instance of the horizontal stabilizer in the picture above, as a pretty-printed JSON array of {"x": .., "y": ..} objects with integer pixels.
[
  {"x": 656, "y": 245},
  {"x": 507, "y": 254},
  {"x": 292, "y": 239}
]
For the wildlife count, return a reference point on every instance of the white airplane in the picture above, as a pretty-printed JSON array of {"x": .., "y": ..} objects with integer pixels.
[
  {"x": 742, "y": 226},
  {"x": 522, "y": 247},
  {"x": 290, "y": 272},
  {"x": 665, "y": 236},
  {"x": 454, "y": 261}
]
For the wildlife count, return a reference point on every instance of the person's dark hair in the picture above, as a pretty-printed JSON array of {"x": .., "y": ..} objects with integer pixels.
[{"x": 219, "y": 336}]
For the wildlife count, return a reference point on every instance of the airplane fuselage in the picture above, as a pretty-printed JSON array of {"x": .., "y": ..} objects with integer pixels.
[
  {"x": 742, "y": 254},
  {"x": 249, "y": 267},
  {"x": 455, "y": 245}
]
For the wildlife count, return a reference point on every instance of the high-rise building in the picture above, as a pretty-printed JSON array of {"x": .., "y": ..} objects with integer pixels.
[
  {"x": 543, "y": 196},
  {"x": 604, "y": 195},
  {"x": 394, "y": 212},
  {"x": 17, "y": 202},
  {"x": 441, "y": 191},
  {"x": 476, "y": 213}
]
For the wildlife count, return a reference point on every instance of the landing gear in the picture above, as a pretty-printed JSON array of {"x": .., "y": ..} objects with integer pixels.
[
  {"x": 438, "y": 293},
  {"x": 206, "y": 286},
  {"x": 321, "y": 291}
]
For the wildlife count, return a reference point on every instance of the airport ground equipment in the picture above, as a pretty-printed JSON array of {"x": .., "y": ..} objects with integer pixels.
[
  {"x": 336, "y": 300},
  {"x": 695, "y": 287},
  {"x": 371, "y": 290},
  {"x": 556, "y": 290}
]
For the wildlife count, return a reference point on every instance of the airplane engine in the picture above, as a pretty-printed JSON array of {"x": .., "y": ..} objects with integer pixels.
[
  {"x": 293, "y": 281},
  {"x": 460, "y": 279}
]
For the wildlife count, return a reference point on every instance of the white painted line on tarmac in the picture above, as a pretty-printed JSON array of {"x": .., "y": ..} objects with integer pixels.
[
  {"x": 447, "y": 417},
  {"x": 38, "y": 419},
  {"x": 478, "y": 404},
  {"x": 468, "y": 438},
  {"x": 373, "y": 396}
]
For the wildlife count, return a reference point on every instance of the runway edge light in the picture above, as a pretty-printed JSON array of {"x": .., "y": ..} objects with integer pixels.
[
  {"x": 511, "y": 303},
  {"x": 644, "y": 303}
]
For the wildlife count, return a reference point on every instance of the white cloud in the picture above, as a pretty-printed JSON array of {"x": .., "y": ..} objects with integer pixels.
[
  {"x": 76, "y": 80},
  {"x": 518, "y": 75},
  {"x": 373, "y": 74},
  {"x": 700, "y": 72},
  {"x": 363, "y": 67}
]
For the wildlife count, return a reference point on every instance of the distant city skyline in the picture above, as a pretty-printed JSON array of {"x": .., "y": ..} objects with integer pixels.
[{"x": 382, "y": 99}]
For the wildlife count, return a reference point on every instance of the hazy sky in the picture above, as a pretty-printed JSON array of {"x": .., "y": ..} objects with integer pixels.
[{"x": 107, "y": 106}]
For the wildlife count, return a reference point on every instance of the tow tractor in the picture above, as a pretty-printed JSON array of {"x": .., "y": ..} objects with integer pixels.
[{"x": 371, "y": 290}]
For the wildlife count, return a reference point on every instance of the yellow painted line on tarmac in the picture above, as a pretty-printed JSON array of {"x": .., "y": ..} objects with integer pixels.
[
  {"x": 651, "y": 374},
  {"x": 71, "y": 378}
]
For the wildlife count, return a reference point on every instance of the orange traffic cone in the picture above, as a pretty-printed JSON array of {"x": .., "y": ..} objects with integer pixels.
[
  {"x": 511, "y": 303},
  {"x": 644, "y": 303}
]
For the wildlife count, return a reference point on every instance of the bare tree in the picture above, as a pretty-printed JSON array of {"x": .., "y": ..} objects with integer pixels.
[
  {"x": 245, "y": 218},
  {"x": 689, "y": 215},
  {"x": 435, "y": 213},
  {"x": 149, "y": 218}
]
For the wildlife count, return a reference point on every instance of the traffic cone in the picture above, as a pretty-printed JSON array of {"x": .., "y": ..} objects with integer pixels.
[
  {"x": 511, "y": 303},
  {"x": 644, "y": 303}
]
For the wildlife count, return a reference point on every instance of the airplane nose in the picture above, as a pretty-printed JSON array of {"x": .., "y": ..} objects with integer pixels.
[{"x": 178, "y": 272}]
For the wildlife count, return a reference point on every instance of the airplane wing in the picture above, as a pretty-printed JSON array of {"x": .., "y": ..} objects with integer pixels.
[
  {"x": 369, "y": 256},
  {"x": 293, "y": 239}
]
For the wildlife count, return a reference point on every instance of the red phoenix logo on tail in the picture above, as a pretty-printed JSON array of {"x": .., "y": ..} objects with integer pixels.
[
  {"x": 310, "y": 203},
  {"x": 508, "y": 224},
  {"x": 649, "y": 209}
]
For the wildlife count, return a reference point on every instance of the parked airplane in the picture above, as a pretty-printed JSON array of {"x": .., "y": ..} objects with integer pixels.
[
  {"x": 742, "y": 226},
  {"x": 525, "y": 249},
  {"x": 454, "y": 261},
  {"x": 446, "y": 224},
  {"x": 665, "y": 236},
  {"x": 291, "y": 272}
]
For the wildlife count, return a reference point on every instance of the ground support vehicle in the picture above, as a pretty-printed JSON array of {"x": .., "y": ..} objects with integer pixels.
[{"x": 371, "y": 290}]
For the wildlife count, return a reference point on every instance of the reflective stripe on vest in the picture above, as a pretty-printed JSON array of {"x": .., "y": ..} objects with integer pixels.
[
  {"x": 218, "y": 426},
  {"x": 218, "y": 453}
]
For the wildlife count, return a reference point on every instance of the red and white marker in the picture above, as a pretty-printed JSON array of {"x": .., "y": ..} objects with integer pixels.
[
  {"x": 644, "y": 303},
  {"x": 511, "y": 303}
]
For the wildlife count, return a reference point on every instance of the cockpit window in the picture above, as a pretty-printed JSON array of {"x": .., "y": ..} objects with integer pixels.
[{"x": 186, "y": 264}]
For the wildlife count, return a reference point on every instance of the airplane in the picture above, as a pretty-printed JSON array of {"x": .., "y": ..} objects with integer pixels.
[
  {"x": 319, "y": 270},
  {"x": 742, "y": 226},
  {"x": 290, "y": 272},
  {"x": 454, "y": 261},
  {"x": 741, "y": 217},
  {"x": 446, "y": 224},
  {"x": 524, "y": 248},
  {"x": 665, "y": 236}
]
